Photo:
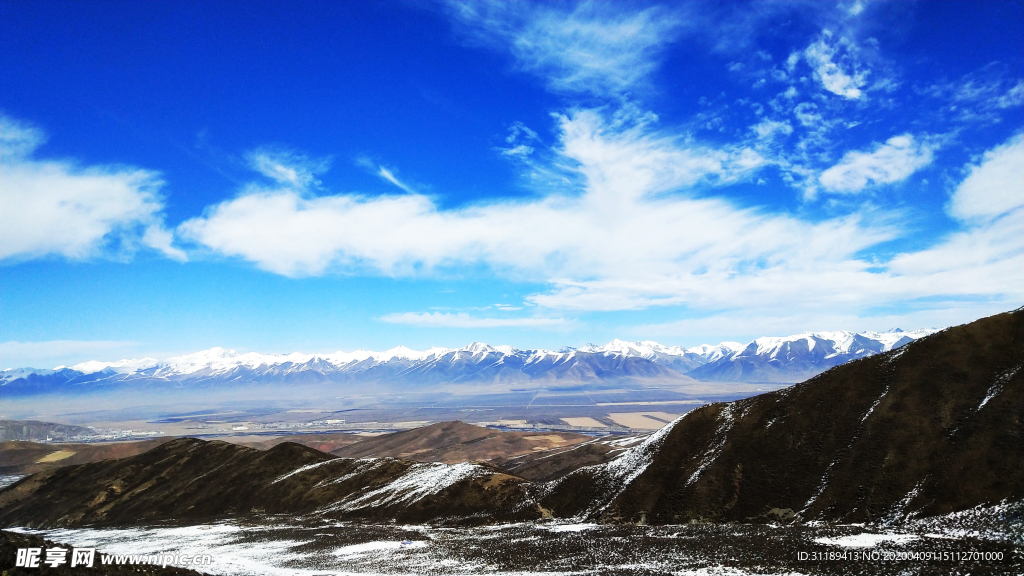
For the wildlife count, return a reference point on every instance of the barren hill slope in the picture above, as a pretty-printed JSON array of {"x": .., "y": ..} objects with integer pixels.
[
  {"x": 456, "y": 441},
  {"x": 930, "y": 428},
  {"x": 190, "y": 479}
]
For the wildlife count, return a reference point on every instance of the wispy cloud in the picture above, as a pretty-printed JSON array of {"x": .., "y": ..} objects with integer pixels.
[
  {"x": 887, "y": 163},
  {"x": 287, "y": 167},
  {"x": 57, "y": 207},
  {"x": 835, "y": 66},
  {"x": 625, "y": 168},
  {"x": 740, "y": 324},
  {"x": 992, "y": 188},
  {"x": 385, "y": 173},
  {"x": 390, "y": 177},
  {"x": 980, "y": 96},
  {"x": 986, "y": 256},
  {"x": 634, "y": 235},
  {"x": 53, "y": 353},
  {"x": 519, "y": 142},
  {"x": 601, "y": 48},
  {"x": 463, "y": 320}
]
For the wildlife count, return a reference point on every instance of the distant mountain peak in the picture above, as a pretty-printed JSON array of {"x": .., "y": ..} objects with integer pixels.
[
  {"x": 478, "y": 347},
  {"x": 770, "y": 358}
]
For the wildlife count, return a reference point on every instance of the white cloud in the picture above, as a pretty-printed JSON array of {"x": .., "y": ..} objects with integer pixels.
[
  {"x": 769, "y": 128},
  {"x": 981, "y": 261},
  {"x": 1013, "y": 97},
  {"x": 53, "y": 353},
  {"x": 743, "y": 326},
  {"x": 986, "y": 257},
  {"x": 630, "y": 225},
  {"x": 517, "y": 137},
  {"x": 56, "y": 207},
  {"x": 842, "y": 78},
  {"x": 519, "y": 151},
  {"x": 625, "y": 166},
  {"x": 807, "y": 114},
  {"x": 390, "y": 177},
  {"x": 589, "y": 47},
  {"x": 633, "y": 236},
  {"x": 518, "y": 131},
  {"x": 287, "y": 167},
  {"x": 20, "y": 139},
  {"x": 985, "y": 87},
  {"x": 628, "y": 240},
  {"x": 161, "y": 239},
  {"x": 792, "y": 61},
  {"x": 891, "y": 162},
  {"x": 993, "y": 188},
  {"x": 463, "y": 320}
]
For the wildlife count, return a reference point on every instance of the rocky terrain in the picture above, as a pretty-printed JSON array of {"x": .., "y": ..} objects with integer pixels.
[
  {"x": 552, "y": 464},
  {"x": 10, "y": 542},
  {"x": 190, "y": 479},
  {"x": 283, "y": 545},
  {"x": 929, "y": 429}
]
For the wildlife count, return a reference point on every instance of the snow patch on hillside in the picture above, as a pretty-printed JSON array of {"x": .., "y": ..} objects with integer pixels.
[
  {"x": 618, "y": 474},
  {"x": 866, "y": 540},
  {"x": 419, "y": 481}
]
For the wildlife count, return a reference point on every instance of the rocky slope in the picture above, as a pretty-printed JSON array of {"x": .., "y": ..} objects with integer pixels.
[
  {"x": 190, "y": 479},
  {"x": 554, "y": 463},
  {"x": 928, "y": 429}
]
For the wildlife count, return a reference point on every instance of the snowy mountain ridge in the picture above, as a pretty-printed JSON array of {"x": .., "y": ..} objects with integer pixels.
[{"x": 819, "y": 349}]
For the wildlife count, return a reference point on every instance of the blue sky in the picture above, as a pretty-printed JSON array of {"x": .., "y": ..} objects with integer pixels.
[{"x": 281, "y": 176}]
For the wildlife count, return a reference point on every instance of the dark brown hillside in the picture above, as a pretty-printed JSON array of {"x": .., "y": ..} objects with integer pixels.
[
  {"x": 930, "y": 428},
  {"x": 184, "y": 478},
  {"x": 189, "y": 479}
]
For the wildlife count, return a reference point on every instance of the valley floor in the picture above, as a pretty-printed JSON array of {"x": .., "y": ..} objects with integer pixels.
[{"x": 961, "y": 544}]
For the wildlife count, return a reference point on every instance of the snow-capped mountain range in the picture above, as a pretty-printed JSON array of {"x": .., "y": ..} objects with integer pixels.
[{"x": 769, "y": 359}]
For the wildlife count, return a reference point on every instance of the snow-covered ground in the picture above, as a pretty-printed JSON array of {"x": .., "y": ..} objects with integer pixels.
[
  {"x": 308, "y": 546},
  {"x": 8, "y": 479}
]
